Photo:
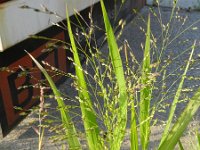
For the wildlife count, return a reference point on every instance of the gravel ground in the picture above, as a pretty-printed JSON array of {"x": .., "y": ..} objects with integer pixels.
[{"x": 25, "y": 138}]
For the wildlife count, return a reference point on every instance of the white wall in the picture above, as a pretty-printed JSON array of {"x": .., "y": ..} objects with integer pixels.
[
  {"x": 193, "y": 4},
  {"x": 17, "y": 24}
]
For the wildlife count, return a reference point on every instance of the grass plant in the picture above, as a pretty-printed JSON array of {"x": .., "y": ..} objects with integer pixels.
[{"x": 116, "y": 85}]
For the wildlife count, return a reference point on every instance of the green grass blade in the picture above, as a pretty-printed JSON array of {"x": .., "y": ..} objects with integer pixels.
[
  {"x": 145, "y": 92},
  {"x": 180, "y": 145},
  {"x": 88, "y": 114},
  {"x": 177, "y": 96},
  {"x": 132, "y": 97},
  {"x": 198, "y": 140},
  {"x": 181, "y": 124},
  {"x": 119, "y": 131},
  {"x": 66, "y": 120},
  {"x": 134, "y": 134}
]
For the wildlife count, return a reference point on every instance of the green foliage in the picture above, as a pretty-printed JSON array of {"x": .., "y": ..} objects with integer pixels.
[
  {"x": 177, "y": 96},
  {"x": 66, "y": 120},
  {"x": 116, "y": 61},
  {"x": 89, "y": 119},
  {"x": 117, "y": 86},
  {"x": 181, "y": 124},
  {"x": 145, "y": 92}
]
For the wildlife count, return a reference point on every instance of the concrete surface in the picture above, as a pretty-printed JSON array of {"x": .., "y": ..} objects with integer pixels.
[
  {"x": 25, "y": 138},
  {"x": 187, "y": 4}
]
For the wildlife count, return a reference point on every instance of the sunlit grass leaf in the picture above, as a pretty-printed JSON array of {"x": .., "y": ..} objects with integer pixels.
[
  {"x": 145, "y": 92},
  {"x": 181, "y": 124},
  {"x": 134, "y": 134},
  {"x": 172, "y": 137},
  {"x": 177, "y": 96},
  {"x": 66, "y": 120},
  {"x": 198, "y": 139},
  {"x": 88, "y": 113},
  {"x": 116, "y": 61},
  {"x": 180, "y": 145}
]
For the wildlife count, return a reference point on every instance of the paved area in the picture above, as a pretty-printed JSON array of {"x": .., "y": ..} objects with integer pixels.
[{"x": 25, "y": 138}]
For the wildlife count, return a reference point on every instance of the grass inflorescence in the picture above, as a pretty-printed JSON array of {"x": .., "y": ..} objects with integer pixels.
[{"x": 119, "y": 87}]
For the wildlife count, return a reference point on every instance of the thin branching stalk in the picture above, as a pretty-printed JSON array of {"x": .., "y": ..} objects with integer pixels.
[
  {"x": 134, "y": 132},
  {"x": 41, "y": 109},
  {"x": 88, "y": 113},
  {"x": 145, "y": 92},
  {"x": 177, "y": 96},
  {"x": 181, "y": 124},
  {"x": 115, "y": 93},
  {"x": 119, "y": 131},
  {"x": 70, "y": 130}
]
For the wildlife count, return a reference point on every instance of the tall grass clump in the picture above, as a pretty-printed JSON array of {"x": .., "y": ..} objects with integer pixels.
[{"x": 116, "y": 89}]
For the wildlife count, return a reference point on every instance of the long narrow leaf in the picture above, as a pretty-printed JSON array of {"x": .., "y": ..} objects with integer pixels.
[
  {"x": 177, "y": 96},
  {"x": 66, "y": 120},
  {"x": 180, "y": 145},
  {"x": 198, "y": 140},
  {"x": 89, "y": 117},
  {"x": 134, "y": 134},
  {"x": 145, "y": 92},
  {"x": 181, "y": 124},
  {"x": 119, "y": 131}
]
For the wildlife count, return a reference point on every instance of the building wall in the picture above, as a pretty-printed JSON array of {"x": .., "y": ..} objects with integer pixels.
[{"x": 18, "y": 24}]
